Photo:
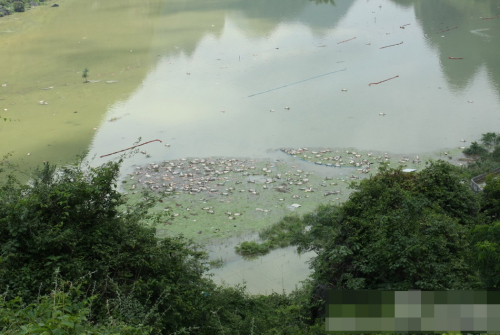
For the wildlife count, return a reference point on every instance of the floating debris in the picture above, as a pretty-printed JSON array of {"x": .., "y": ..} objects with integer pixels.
[
  {"x": 392, "y": 45},
  {"x": 442, "y": 31},
  {"x": 370, "y": 84},
  {"x": 346, "y": 40}
]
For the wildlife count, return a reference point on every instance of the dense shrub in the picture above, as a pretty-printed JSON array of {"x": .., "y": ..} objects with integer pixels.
[
  {"x": 73, "y": 219},
  {"x": 251, "y": 248},
  {"x": 18, "y": 6},
  {"x": 475, "y": 149},
  {"x": 64, "y": 311},
  {"x": 73, "y": 222}
]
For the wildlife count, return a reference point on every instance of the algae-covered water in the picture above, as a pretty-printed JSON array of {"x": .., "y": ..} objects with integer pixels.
[{"x": 241, "y": 78}]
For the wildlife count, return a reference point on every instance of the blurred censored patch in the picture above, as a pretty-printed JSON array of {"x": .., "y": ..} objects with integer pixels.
[{"x": 413, "y": 311}]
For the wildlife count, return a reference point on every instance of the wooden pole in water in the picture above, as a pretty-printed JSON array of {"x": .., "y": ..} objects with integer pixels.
[
  {"x": 370, "y": 84},
  {"x": 135, "y": 146}
]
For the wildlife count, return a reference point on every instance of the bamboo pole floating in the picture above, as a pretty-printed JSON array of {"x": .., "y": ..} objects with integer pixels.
[
  {"x": 455, "y": 57},
  {"x": 347, "y": 40},
  {"x": 403, "y": 26},
  {"x": 387, "y": 46},
  {"x": 442, "y": 31},
  {"x": 135, "y": 146},
  {"x": 370, "y": 84},
  {"x": 490, "y": 18}
]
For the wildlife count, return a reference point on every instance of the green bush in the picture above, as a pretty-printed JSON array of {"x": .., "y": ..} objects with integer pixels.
[
  {"x": 74, "y": 219},
  {"x": 74, "y": 222},
  {"x": 475, "y": 149},
  {"x": 251, "y": 248},
  {"x": 397, "y": 231},
  {"x": 490, "y": 139},
  {"x": 18, "y": 6},
  {"x": 63, "y": 311}
]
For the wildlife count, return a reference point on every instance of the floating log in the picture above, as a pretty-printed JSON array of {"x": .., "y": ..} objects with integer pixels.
[
  {"x": 370, "y": 84},
  {"x": 347, "y": 40},
  {"x": 135, "y": 146},
  {"x": 387, "y": 46},
  {"x": 442, "y": 31}
]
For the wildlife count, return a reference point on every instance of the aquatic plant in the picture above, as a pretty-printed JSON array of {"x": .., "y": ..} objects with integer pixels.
[
  {"x": 475, "y": 149},
  {"x": 216, "y": 263},
  {"x": 85, "y": 74},
  {"x": 252, "y": 248}
]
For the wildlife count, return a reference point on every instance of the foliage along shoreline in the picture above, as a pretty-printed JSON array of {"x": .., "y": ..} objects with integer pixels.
[
  {"x": 72, "y": 260},
  {"x": 7, "y": 7}
]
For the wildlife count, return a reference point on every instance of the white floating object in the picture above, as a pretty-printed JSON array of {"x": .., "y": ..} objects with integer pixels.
[
  {"x": 470, "y": 101},
  {"x": 296, "y": 205},
  {"x": 463, "y": 141},
  {"x": 381, "y": 114},
  {"x": 344, "y": 90}
]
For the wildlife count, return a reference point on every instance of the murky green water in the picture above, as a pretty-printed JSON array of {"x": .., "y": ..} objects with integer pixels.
[
  {"x": 203, "y": 76},
  {"x": 262, "y": 47}
]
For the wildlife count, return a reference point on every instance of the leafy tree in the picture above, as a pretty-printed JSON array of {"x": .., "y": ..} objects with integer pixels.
[
  {"x": 85, "y": 74},
  {"x": 397, "y": 231},
  {"x": 490, "y": 139},
  {"x": 491, "y": 198},
  {"x": 475, "y": 149},
  {"x": 495, "y": 154},
  {"x": 486, "y": 254},
  {"x": 74, "y": 219}
]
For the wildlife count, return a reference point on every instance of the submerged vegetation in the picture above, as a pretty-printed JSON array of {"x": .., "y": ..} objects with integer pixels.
[
  {"x": 77, "y": 258},
  {"x": 85, "y": 75}
]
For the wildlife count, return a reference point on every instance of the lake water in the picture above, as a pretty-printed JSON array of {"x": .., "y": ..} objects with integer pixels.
[{"x": 203, "y": 76}]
